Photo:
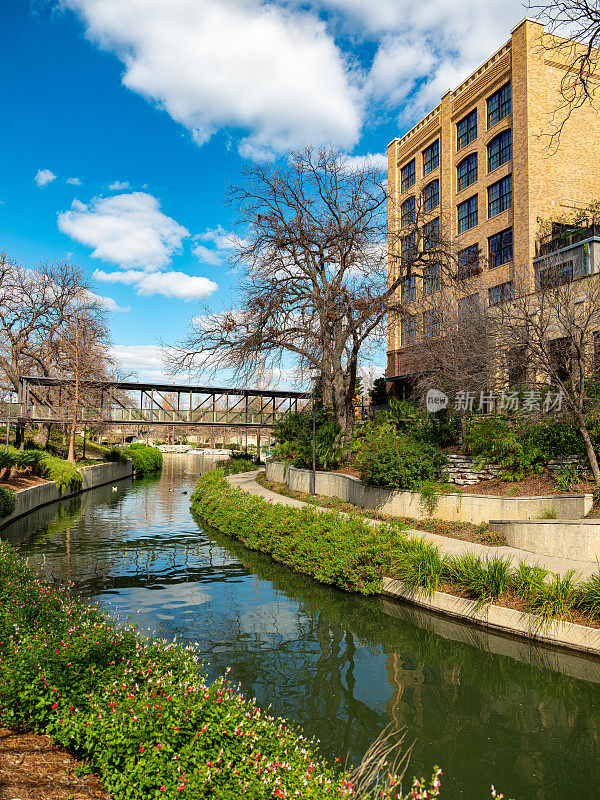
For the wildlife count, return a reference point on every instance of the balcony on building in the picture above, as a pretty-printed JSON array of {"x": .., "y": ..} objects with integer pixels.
[{"x": 569, "y": 252}]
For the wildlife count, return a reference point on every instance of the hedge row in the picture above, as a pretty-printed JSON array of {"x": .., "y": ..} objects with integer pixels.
[
  {"x": 145, "y": 459},
  {"x": 342, "y": 551}
]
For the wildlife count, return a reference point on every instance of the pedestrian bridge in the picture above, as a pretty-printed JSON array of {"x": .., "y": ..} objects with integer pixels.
[{"x": 47, "y": 400}]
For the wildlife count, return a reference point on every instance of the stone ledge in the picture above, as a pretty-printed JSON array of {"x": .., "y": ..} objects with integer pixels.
[
  {"x": 497, "y": 618},
  {"x": 575, "y": 539},
  {"x": 43, "y": 494}
]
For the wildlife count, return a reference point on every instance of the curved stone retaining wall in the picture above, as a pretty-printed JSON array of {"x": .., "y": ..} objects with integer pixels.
[
  {"x": 455, "y": 507},
  {"x": 94, "y": 475},
  {"x": 578, "y": 540}
]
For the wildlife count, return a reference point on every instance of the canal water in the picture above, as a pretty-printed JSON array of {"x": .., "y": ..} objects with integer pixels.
[{"x": 487, "y": 709}]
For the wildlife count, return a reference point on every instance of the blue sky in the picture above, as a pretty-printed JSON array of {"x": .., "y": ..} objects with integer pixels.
[{"x": 125, "y": 120}]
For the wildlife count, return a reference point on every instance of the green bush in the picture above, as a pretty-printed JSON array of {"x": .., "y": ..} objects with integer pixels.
[
  {"x": 66, "y": 475},
  {"x": 7, "y": 502},
  {"x": 294, "y": 440},
  {"x": 438, "y": 429},
  {"x": 418, "y": 563},
  {"x": 336, "y": 549},
  {"x": 138, "y": 710},
  {"x": 233, "y": 466},
  {"x": 492, "y": 439},
  {"x": 484, "y": 579},
  {"x": 385, "y": 458},
  {"x": 145, "y": 459}
]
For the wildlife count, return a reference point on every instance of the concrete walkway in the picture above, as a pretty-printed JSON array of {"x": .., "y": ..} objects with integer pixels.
[{"x": 447, "y": 545}]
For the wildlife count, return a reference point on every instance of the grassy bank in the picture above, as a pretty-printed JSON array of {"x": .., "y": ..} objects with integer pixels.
[
  {"x": 349, "y": 553},
  {"x": 145, "y": 459}
]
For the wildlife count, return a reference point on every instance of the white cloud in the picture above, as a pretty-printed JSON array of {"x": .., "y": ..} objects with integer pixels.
[
  {"x": 44, "y": 176},
  {"x": 118, "y": 186},
  {"x": 74, "y": 181},
  {"x": 376, "y": 161},
  {"x": 127, "y": 229},
  {"x": 273, "y": 73},
  {"x": 207, "y": 256},
  {"x": 170, "y": 284},
  {"x": 108, "y": 303}
]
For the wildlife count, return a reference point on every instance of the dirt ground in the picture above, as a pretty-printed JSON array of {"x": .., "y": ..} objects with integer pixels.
[
  {"x": 32, "y": 769},
  {"x": 18, "y": 482}
]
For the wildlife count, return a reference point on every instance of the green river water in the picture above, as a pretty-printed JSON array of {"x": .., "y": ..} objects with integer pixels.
[{"x": 487, "y": 709}]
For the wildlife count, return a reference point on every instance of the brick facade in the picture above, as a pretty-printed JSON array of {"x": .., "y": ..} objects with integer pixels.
[{"x": 547, "y": 181}]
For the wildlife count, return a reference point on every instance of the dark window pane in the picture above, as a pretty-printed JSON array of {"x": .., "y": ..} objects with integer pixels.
[
  {"x": 499, "y": 105},
  {"x": 407, "y": 211},
  {"x": 431, "y": 324},
  {"x": 466, "y": 130},
  {"x": 409, "y": 289},
  {"x": 431, "y": 157},
  {"x": 500, "y": 196},
  {"x": 408, "y": 176},
  {"x": 498, "y": 294},
  {"x": 500, "y": 150},
  {"x": 409, "y": 329},
  {"x": 431, "y": 234},
  {"x": 431, "y": 196},
  {"x": 468, "y": 262},
  {"x": 431, "y": 279},
  {"x": 467, "y": 172},
  {"x": 468, "y": 215},
  {"x": 501, "y": 248}
]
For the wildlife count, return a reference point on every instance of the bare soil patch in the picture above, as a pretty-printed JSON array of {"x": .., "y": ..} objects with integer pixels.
[
  {"x": 18, "y": 482},
  {"x": 33, "y": 769}
]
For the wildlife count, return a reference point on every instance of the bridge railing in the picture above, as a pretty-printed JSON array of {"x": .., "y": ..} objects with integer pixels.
[{"x": 144, "y": 416}]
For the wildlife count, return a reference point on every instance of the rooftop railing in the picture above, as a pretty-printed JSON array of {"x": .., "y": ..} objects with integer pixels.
[{"x": 564, "y": 235}]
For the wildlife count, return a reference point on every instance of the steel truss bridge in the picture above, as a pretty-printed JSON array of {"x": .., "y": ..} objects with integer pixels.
[{"x": 47, "y": 400}]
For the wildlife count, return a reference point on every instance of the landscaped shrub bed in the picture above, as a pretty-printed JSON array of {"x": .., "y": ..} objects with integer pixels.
[
  {"x": 145, "y": 459},
  {"x": 7, "y": 502},
  {"x": 66, "y": 475},
  {"x": 340, "y": 550},
  {"x": 344, "y": 550},
  {"x": 234, "y": 466},
  {"x": 137, "y": 709}
]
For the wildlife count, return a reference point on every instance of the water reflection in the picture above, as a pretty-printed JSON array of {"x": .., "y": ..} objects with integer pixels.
[{"x": 487, "y": 709}]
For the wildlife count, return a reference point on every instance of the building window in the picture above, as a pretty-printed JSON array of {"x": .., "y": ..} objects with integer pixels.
[
  {"x": 431, "y": 157},
  {"x": 466, "y": 130},
  {"x": 501, "y": 248},
  {"x": 500, "y": 150},
  {"x": 409, "y": 289},
  {"x": 468, "y": 307},
  {"x": 468, "y": 215},
  {"x": 409, "y": 329},
  {"x": 408, "y": 175},
  {"x": 431, "y": 234},
  {"x": 407, "y": 247},
  {"x": 467, "y": 172},
  {"x": 431, "y": 196},
  {"x": 556, "y": 275},
  {"x": 500, "y": 196},
  {"x": 407, "y": 212},
  {"x": 431, "y": 279},
  {"x": 500, "y": 293},
  {"x": 432, "y": 325},
  {"x": 498, "y": 106},
  {"x": 468, "y": 262}
]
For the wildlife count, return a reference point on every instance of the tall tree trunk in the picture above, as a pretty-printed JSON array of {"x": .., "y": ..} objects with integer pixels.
[
  {"x": 42, "y": 436},
  {"x": 589, "y": 449}
]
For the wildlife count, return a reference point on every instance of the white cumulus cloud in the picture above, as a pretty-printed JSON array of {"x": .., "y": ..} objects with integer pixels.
[
  {"x": 272, "y": 73},
  {"x": 376, "y": 161},
  {"x": 44, "y": 177},
  {"x": 126, "y": 229},
  {"x": 118, "y": 186},
  {"x": 170, "y": 284},
  {"x": 74, "y": 181}
]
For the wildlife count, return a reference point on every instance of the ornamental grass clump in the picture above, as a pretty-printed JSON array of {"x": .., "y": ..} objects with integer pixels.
[
  {"x": 555, "y": 600},
  {"x": 484, "y": 579},
  {"x": 418, "y": 564},
  {"x": 66, "y": 475},
  {"x": 589, "y": 596},
  {"x": 529, "y": 580},
  {"x": 341, "y": 550}
]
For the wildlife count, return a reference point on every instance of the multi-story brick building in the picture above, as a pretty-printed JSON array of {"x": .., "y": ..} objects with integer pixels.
[{"x": 481, "y": 163}]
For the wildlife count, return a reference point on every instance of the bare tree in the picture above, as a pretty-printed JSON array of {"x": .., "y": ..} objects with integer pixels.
[
  {"x": 314, "y": 290},
  {"x": 572, "y": 39},
  {"x": 454, "y": 347},
  {"x": 555, "y": 333}
]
